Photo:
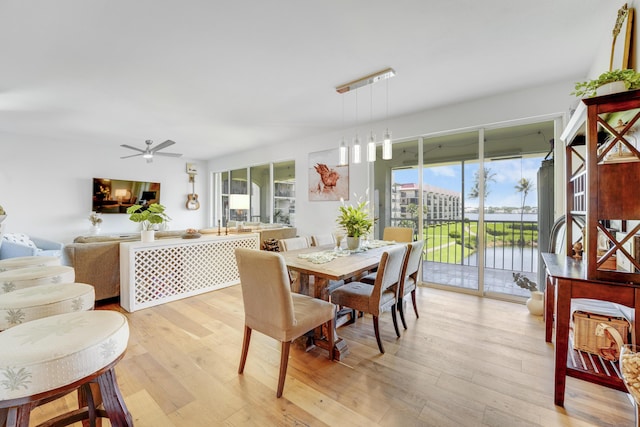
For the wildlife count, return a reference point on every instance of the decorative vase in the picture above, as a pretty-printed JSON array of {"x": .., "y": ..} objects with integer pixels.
[
  {"x": 353, "y": 243},
  {"x": 95, "y": 229},
  {"x": 147, "y": 236},
  {"x": 2, "y": 217},
  {"x": 535, "y": 303}
]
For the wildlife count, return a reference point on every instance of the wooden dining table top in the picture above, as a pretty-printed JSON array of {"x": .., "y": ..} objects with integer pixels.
[{"x": 339, "y": 268}]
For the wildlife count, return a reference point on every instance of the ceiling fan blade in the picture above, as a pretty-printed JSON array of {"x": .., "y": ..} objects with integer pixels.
[
  {"x": 131, "y": 147},
  {"x": 133, "y": 155},
  {"x": 167, "y": 154},
  {"x": 167, "y": 143}
]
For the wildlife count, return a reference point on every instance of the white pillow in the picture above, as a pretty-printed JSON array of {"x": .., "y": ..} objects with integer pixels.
[{"x": 19, "y": 238}]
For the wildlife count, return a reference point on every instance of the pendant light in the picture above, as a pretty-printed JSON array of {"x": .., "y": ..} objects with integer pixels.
[
  {"x": 344, "y": 150},
  {"x": 387, "y": 152},
  {"x": 385, "y": 74},
  {"x": 357, "y": 150},
  {"x": 371, "y": 145}
]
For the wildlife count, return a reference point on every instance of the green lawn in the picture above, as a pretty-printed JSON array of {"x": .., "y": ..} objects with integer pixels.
[{"x": 444, "y": 241}]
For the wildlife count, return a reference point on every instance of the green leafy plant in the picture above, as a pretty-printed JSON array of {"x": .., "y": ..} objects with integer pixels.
[
  {"x": 355, "y": 219},
  {"x": 524, "y": 282},
  {"x": 148, "y": 215},
  {"x": 631, "y": 80}
]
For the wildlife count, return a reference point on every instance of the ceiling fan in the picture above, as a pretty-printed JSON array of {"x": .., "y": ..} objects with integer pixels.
[{"x": 149, "y": 152}]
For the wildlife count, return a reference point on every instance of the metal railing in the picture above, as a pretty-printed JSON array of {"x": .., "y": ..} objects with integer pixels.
[{"x": 509, "y": 245}]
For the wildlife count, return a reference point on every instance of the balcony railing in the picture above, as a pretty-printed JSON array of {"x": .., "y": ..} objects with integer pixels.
[{"x": 509, "y": 245}]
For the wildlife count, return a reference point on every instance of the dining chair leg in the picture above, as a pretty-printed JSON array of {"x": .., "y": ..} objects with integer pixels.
[
  {"x": 413, "y": 300},
  {"x": 245, "y": 348},
  {"x": 401, "y": 312},
  {"x": 331, "y": 336},
  {"x": 395, "y": 320},
  {"x": 284, "y": 361},
  {"x": 377, "y": 331}
]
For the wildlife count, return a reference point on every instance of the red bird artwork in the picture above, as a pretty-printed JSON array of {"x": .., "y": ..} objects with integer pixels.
[{"x": 328, "y": 177}]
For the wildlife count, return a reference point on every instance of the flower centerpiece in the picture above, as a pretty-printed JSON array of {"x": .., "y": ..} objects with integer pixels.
[
  {"x": 95, "y": 219},
  {"x": 355, "y": 221},
  {"x": 3, "y": 214},
  {"x": 148, "y": 217},
  {"x": 535, "y": 303}
]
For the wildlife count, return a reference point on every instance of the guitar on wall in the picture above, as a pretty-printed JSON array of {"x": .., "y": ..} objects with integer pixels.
[{"x": 192, "y": 199}]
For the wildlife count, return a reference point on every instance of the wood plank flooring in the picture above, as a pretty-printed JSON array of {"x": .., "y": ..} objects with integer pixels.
[{"x": 467, "y": 361}]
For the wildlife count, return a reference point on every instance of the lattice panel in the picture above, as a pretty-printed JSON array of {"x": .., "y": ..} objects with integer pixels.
[{"x": 167, "y": 273}]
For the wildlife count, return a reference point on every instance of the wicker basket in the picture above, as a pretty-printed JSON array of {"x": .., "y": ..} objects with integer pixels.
[{"x": 584, "y": 331}]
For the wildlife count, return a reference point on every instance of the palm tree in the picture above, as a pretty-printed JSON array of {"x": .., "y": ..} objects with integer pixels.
[
  {"x": 523, "y": 186},
  {"x": 489, "y": 176}
]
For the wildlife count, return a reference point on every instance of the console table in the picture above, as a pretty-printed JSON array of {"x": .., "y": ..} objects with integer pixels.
[
  {"x": 567, "y": 280},
  {"x": 166, "y": 270}
]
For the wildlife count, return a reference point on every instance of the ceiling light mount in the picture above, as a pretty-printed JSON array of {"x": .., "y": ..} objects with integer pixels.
[{"x": 387, "y": 73}]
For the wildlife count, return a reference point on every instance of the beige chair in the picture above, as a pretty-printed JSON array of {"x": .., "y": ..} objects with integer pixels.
[
  {"x": 271, "y": 308},
  {"x": 410, "y": 279},
  {"x": 398, "y": 234},
  {"x": 379, "y": 297},
  {"x": 323, "y": 240},
  {"x": 294, "y": 243}
]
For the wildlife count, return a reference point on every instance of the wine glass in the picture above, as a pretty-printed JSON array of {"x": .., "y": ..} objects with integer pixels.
[
  {"x": 630, "y": 371},
  {"x": 339, "y": 235}
]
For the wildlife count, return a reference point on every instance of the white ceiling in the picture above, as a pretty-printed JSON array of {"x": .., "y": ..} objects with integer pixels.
[{"x": 218, "y": 77}]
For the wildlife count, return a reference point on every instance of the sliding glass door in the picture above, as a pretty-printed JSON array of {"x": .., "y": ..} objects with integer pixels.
[{"x": 473, "y": 198}]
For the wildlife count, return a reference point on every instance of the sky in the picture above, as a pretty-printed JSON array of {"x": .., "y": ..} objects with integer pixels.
[{"x": 502, "y": 191}]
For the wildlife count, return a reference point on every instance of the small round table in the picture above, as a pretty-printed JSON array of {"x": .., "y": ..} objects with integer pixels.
[{"x": 28, "y": 261}]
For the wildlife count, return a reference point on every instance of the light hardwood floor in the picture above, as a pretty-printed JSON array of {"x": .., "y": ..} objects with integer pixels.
[{"x": 467, "y": 361}]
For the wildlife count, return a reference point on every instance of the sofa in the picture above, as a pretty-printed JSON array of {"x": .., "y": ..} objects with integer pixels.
[
  {"x": 96, "y": 259},
  {"x": 18, "y": 245}
]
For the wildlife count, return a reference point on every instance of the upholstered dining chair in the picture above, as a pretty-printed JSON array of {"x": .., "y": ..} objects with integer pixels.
[
  {"x": 272, "y": 309},
  {"x": 377, "y": 298},
  {"x": 398, "y": 234},
  {"x": 409, "y": 280},
  {"x": 323, "y": 240},
  {"x": 294, "y": 243}
]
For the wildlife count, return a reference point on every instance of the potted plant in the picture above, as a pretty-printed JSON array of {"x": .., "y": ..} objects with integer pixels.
[
  {"x": 355, "y": 221},
  {"x": 621, "y": 79},
  {"x": 148, "y": 217},
  {"x": 535, "y": 303}
]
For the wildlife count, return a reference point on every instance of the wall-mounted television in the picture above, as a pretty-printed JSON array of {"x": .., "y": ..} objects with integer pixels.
[{"x": 116, "y": 195}]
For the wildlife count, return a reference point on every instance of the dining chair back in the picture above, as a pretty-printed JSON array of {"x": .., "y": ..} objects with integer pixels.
[
  {"x": 323, "y": 240},
  {"x": 294, "y": 243},
  {"x": 409, "y": 277},
  {"x": 398, "y": 234},
  {"x": 272, "y": 309},
  {"x": 381, "y": 296}
]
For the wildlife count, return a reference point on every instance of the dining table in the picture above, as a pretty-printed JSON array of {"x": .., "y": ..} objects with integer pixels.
[{"x": 319, "y": 268}]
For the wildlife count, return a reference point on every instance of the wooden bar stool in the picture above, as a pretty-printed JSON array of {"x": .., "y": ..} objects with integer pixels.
[
  {"x": 21, "y": 278},
  {"x": 55, "y": 355},
  {"x": 28, "y": 261},
  {"x": 41, "y": 301}
]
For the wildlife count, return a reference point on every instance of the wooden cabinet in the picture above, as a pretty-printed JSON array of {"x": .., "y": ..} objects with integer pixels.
[{"x": 603, "y": 171}]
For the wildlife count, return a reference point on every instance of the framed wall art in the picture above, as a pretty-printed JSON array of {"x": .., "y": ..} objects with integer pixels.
[{"x": 327, "y": 179}]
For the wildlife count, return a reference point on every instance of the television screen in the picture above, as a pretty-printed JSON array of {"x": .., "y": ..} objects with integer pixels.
[{"x": 116, "y": 195}]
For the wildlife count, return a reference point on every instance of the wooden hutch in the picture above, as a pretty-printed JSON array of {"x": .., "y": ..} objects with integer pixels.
[{"x": 602, "y": 143}]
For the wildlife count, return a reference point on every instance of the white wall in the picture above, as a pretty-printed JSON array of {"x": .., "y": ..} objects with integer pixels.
[
  {"x": 46, "y": 186},
  {"x": 319, "y": 217}
]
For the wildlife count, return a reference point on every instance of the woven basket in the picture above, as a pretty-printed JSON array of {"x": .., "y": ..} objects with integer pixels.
[{"x": 586, "y": 336}]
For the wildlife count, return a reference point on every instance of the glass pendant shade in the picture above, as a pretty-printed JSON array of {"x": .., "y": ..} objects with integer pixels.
[
  {"x": 357, "y": 150},
  {"x": 343, "y": 153},
  {"x": 371, "y": 148},
  {"x": 386, "y": 146}
]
